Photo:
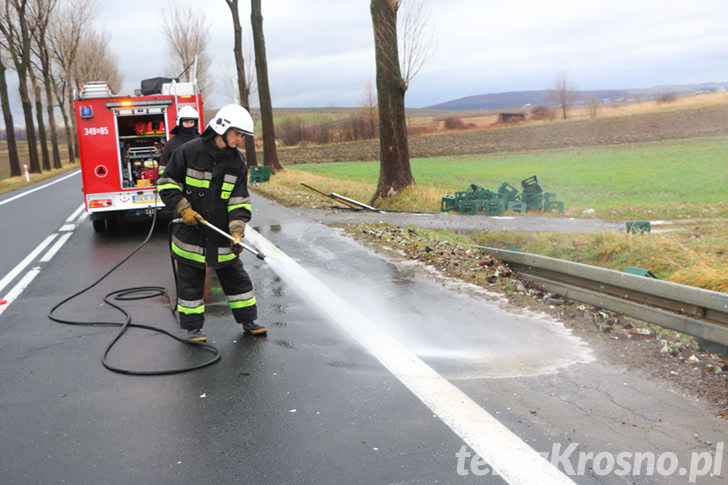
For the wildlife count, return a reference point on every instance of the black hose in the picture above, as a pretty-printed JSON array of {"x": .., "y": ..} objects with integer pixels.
[{"x": 130, "y": 294}]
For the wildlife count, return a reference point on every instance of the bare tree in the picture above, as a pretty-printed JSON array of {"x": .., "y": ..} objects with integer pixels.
[
  {"x": 188, "y": 33},
  {"x": 368, "y": 108},
  {"x": 9, "y": 124},
  {"x": 563, "y": 94},
  {"x": 415, "y": 37},
  {"x": 17, "y": 28},
  {"x": 270, "y": 155},
  {"x": 593, "y": 103},
  {"x": 44, "y": 10},
  {"x": 42, "y": 137},
  {"x": 395, "y": 172},
  {"x": 90, "y": 67},
  {"x": 66, "y": 28},
  {"x": 242, "y": 78}
]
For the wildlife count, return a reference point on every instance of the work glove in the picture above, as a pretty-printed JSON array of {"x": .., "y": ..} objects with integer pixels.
[
  {"x": 237, "y": 244},
  {"x": 190, "y": 216}
]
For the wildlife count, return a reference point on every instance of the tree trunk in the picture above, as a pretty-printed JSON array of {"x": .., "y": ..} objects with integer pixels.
[
  {"x": 29, "y": 126},
  {"x": 395, "y": 172},
  {"x": 270, "y": 156},
  {"x": 60, "y": 98},
  {"x": 42, "y": 137},
  {"x": 9, "y": 125},
  {"x": 243, "y": 88},
  {"x": 47, "y": 86}
]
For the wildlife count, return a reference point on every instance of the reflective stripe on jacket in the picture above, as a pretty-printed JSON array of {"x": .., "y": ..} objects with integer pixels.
[{"x": 214, "y": 183}]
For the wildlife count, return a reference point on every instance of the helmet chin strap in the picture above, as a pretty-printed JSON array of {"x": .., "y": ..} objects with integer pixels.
[{"x": 224, "y": 138}]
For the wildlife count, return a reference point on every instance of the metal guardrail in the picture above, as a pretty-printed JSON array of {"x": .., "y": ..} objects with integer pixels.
[{"x": 694, "y": 311}]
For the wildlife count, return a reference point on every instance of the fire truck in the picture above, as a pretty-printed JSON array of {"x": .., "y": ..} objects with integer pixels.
[{"x": 120, "y": 141}]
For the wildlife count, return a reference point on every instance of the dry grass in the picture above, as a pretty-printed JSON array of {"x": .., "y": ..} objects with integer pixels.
[{"x": 287, "y": 188}]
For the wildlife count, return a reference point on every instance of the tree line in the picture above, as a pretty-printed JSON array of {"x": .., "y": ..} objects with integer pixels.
[{"x": 53, "y": 48}]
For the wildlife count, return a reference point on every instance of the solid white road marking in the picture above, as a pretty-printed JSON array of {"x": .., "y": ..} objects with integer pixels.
[
  {"x": 18, "y": 289},
  {"x": 505, "y": 452},
  {"x": 27, "y": 192},
  {"x": 25, "y": 262}
]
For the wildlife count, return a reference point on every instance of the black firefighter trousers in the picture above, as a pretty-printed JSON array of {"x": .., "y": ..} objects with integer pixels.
[{"x": 235, "y": 283}]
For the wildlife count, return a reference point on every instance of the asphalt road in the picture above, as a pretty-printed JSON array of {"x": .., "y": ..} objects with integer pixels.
[{"x": 373, "y": 371}]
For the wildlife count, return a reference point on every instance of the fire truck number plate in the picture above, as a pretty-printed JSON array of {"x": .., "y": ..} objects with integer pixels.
[{"x": 148, "y": 197}]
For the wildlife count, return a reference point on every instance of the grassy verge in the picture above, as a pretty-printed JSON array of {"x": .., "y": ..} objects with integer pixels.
[
  {"x": 682, "y": 180},
  {"x": 673, "y": 179},
  {"x": 14, "y": 183}
]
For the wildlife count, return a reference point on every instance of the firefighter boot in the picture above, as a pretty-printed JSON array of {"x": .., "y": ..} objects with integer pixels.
[
  {"x": 196, "y": 335},
  {"x": 254, "y": 329}
]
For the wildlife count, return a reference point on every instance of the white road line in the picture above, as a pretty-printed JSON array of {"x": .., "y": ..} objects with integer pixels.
[
  {"x": 505, "y": 452},
  {"x": 27, "y": 192},
  {"x": 75, "y": 213},
  {"x": 54, "y": 249},
  {"x": 25, "y": 262},
  {"x": 18, "y": 289},
  {"x": 67, "y": 228}
]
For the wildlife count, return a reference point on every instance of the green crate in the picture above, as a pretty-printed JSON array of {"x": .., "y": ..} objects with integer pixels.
[
  {"x": 640, "y": 272},
  {"x": 533, "y": 200},
  {"x": 516, "y": 206},
  {"x": 532, "y": 185},
  {"x": 549, "y": 197},
  {"x": 638, "y": 227},
  {"x": 479, "y": 193},
  {"x": 507, "y": 191},
  {"x": 467, "y": 207},
  {"x": 259, "y": 173},
  {"x": 494, "y": 207},
  {"x": 448, "y": 203},
  {"x": 550, "y": 205}
]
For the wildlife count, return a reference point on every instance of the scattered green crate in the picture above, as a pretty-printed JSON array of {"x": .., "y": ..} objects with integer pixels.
[
  {"x": 259, "y": 173},
  {"x": 638, "y": 227},
  {"x": 478, "y": 199}
]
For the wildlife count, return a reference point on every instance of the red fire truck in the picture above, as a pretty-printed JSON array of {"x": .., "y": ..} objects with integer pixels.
[{"x": 120, "y": 142}]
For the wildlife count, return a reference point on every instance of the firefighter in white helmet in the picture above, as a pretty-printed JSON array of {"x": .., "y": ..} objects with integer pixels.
[
  {"x": 207, "y": 178},
  {"x": 186, "y": 130}
]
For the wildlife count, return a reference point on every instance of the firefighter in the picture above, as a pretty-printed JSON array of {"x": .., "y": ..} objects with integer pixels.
[
  {"x": 207, "y": 178},
  {"x": 186, "y": 130}
]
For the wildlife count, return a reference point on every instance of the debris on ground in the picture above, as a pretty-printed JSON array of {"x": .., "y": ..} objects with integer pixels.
[{"x": 657, "y": 351}]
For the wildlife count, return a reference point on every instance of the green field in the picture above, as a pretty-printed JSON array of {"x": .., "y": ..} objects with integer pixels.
[{"x": 670, "y": 179}]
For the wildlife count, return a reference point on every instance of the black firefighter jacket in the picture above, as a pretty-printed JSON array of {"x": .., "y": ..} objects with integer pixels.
[{"x": 214, "y": 183}]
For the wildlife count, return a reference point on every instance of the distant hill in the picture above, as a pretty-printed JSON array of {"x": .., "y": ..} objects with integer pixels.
[{"x": 517, "y": 99}]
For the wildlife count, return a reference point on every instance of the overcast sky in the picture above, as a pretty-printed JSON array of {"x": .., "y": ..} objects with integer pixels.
[{"x": 321, "y": 52}]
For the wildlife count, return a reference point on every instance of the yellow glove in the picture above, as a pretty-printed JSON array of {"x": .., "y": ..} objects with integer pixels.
[
  {"x": 190, "y": 216},
  {"x": 237, "y": 244}
]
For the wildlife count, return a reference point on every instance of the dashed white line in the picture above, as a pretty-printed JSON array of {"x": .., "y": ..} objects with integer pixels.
[
  {"x": 75, "y": 213},
  {"x": 54, "y": 249}
]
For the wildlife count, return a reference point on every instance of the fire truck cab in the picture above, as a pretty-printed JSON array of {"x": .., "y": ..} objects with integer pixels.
[{"x": 120, "y": 140}]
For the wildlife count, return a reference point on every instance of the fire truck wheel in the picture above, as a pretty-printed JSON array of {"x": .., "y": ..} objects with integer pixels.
[{"x": 99, "y": 225}]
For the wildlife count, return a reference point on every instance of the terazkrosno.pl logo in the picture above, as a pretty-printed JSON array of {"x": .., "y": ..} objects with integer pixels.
[{"x": 624, "y": 463}]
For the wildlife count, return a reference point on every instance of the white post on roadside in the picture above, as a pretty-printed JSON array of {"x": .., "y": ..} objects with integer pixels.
[{"x": 27, "y": 175}]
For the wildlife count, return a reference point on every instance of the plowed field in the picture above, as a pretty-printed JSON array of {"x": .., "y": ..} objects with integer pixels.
[{"x": 668, "y": 125}]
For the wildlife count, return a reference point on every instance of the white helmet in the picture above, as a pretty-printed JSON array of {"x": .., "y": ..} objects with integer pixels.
[
  {"x": 232, "y": 116},
  {"x": 187, "y": 113}
]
